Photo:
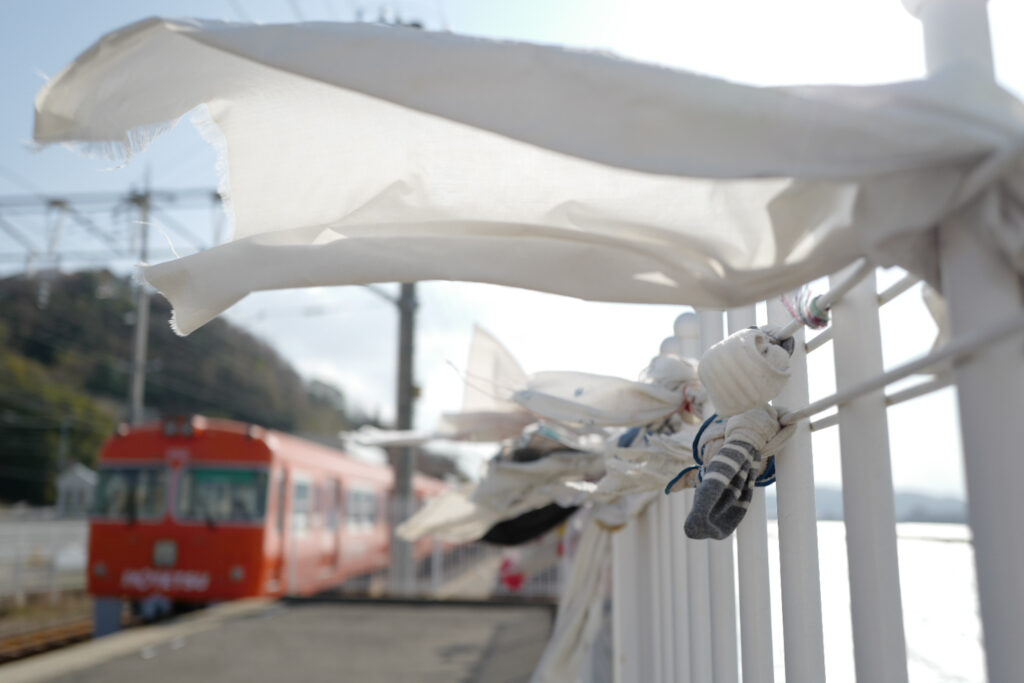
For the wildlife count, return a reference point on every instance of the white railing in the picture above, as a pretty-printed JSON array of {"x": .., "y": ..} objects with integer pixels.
[
  {"x": 702, "y": 583},
  {"x": 41, "y": 557},
  {"x": 698, "y": 640},
  {"x": 674, "y": 614}
]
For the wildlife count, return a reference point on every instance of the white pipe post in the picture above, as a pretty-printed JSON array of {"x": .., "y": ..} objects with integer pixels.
[
  {"x": 680, "y": 598},
  {"x": 649, "y": 654},
  {"x": 879, "y": 645},
  {"x": 688, "y": 327},
  {"x": 981, "y": 289},
  {"x": 752, "y": 559},
  {"x": 658, "y": 608},
  {"x": 625, "y": 618},
  {"x": 436, "y": 566},
  {"x": 700, "y": 603},
  {"x": 666, "y": 605},
  {"x": 721, "y": 565},
  {"x": 798, "y": 528}
]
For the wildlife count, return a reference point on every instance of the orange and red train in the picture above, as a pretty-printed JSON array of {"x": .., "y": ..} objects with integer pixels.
[{"x": 202, "y": 510}]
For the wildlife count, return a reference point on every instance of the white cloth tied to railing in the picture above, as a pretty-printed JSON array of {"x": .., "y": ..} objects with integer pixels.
[
  {"x": 506, "y": 490},
  {"x": 364, "y": 154},
  {"x": 600, "y": 400}
]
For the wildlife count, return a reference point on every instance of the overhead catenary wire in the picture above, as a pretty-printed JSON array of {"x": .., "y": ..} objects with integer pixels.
[{"x": 173, "y": 223}]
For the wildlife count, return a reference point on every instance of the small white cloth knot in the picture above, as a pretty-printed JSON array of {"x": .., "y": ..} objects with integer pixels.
[
  {"x": 755, "y": 427},
  {"x": 743, "y": 371}
]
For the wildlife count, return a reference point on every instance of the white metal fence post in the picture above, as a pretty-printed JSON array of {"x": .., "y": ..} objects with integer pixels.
[
  {"x": 687, "y": 328},
  {"x": 436, "y": 565},
  {"x": 648, "y": 652},
  {"x": 696, "y": 551},
  {"x": 981, "y": 289},
  {"x": 659, "y": 613},
  {"x": 752, "y": 561},
  {"x": 625, "y": 617},
  {"x": 700, "y": 603},
  {"x": 680, "y": 598},
  {"x": 880, "y": 650},
  {"x": 798, "y": 531},
  {"x": 19, "y": 576},
  {"x": 721, "y": 565}
]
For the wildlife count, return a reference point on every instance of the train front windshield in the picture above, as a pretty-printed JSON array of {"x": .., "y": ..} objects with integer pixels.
[
  {"x": 131, "y": 493},
  {"x": 213, "y": 495}
]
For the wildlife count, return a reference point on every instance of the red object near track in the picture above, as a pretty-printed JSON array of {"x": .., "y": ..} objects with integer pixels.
[{"x": 203, "y": 510}]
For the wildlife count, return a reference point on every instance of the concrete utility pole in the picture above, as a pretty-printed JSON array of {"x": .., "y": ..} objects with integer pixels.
[
  {"x": 402, "y": 569},
  {"x": 138, "y": 385}
]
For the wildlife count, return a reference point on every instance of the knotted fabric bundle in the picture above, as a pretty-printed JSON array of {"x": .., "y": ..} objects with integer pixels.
[
  {"x": 735, "y": 453},
  {"x": 745, "y": 370}
]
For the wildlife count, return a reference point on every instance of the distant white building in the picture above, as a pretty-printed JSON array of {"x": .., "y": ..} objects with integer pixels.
[{"x": 75, "y": 487}]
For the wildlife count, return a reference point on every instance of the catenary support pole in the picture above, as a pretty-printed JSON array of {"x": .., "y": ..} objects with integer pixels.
[
  {"x": 402, "y": 570},
  {"x": 880, "y": 651},
  {"x": 752, "y": 562},
  {"x": 798, "y": 531},
  {"x": 138, "y": 387},
  {"x": 981, "y": 289}
]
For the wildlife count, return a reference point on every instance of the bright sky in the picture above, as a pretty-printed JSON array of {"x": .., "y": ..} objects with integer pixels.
[{"x": 348, "y": 335}]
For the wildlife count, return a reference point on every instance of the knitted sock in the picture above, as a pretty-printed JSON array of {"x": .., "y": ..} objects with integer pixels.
[{"x": 724, "y": 494}]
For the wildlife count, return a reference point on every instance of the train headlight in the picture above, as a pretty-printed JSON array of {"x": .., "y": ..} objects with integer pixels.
[
  {"x": 165, "y": 553},
  {"x": 237, "y": 573},
  {"x": 99, "y": 569}
]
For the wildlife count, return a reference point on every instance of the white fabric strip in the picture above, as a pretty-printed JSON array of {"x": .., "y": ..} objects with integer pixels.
[{"x": 361, "y": 154}]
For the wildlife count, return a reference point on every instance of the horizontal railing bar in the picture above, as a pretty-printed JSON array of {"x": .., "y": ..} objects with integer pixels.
[
  {"x": 940, "y": 382},
  {"x": 957, "y": 348},
  {"x": 825, "y": 422},
  {"x": 893, "y": 291},
  {"x": 919, "y": 389},
  {"x": 820, "y": 340}
]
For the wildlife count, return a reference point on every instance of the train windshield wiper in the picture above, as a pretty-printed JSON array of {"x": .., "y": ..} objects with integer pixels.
[
  {"x": 130, "y": 512},
  {"x": 207, "y": 516}
]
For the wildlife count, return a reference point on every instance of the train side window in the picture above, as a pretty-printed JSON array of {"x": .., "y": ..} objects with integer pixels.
[
  {"x": 373, "y": 507},
  {"x": 334, "y": 504},
  {"x": 301, "y": 504},
  {"x": 282, "y": 491},
  {"x": 360, "y": 508},
  {"x": 316, "y": 506}
]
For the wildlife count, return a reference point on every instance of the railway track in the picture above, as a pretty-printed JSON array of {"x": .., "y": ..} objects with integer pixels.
[{"x": 44, "y": 639}]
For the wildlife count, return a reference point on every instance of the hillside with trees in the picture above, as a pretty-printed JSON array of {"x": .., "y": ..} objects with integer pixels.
[{"x": 65, "y": 359}]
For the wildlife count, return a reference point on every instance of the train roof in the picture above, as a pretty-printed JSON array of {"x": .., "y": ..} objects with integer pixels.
[{"x": 179, "y": 431}]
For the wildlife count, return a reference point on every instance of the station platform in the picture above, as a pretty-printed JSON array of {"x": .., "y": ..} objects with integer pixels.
[{"x": 324, "y": 639}]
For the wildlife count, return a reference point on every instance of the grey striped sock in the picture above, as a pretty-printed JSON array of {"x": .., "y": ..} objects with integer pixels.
[{"x": 722, "y": 499}]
